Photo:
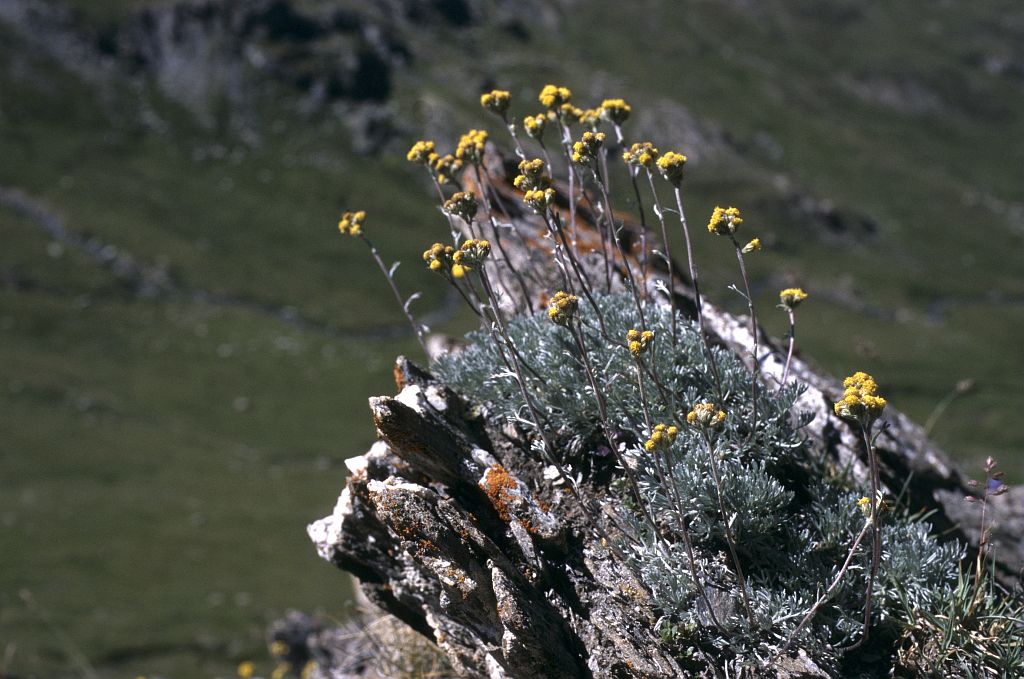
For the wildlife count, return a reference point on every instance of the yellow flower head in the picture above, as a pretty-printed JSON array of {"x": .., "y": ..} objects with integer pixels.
[
  {"x": 792, "y": 297},
  {"x": 496, "y": 101},
  {"x": 539, "y": 199},
  {"x": 568, "y": 114},
  {"x": 639, "y": 342},
  {"x": 641, "y": 154},
  {"x": 753, "y": 245},
  {"x": 661, "y": 438},
  {"x": 615, "y": 111},
  {"x": 671, "y": 166},
  {"x": 279, "y": 648},
  {"x": 246, "y": 669},
  {"x": 562, "y": 308},
  {"x": 463, "y": 205},
  {"x": 534, "y": 125},
  {"x": 532, "y": 175},
  {"x": 445, "y": 168},
  {"x": 422, "y": 153},
  {"x": 553, "y": 96},
  {"x": 470, "y": 255},
  {"x": 471, "y": 147},
  {"x": 439, "y": 257},
  {"x": 351, "y": 223},
  {"x": 860, "y": 401},
  {"x": 584, "y": 152},
  {"x": 590, "y": 117},
  {"x": 724, "y": 221},
  {"x": 705, "y": 416}
]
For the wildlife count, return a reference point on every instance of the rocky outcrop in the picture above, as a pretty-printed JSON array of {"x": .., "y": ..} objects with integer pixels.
[{"x": 450, "y": 524}]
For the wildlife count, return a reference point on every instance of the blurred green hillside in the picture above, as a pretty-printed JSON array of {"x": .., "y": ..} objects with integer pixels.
[{"x": 186, "y": 345}]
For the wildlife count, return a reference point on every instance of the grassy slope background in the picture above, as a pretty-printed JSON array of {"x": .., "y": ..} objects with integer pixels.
[{"x": 161, "y": 455}]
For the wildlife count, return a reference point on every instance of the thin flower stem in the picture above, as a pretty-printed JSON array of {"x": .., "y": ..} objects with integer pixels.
[
  {"x": 876, "y": 536},
  {"x": 577, "y": 334},
  {"x": 610, "y": 221},
  {"x": 643, "y": 233},
  {"x": 554, "y": 224},
  {"x": 696, "y": 294},
  {"x": 729, "y": 537},
  {"x": 792, "y": 341},
  {"x": 417, "y": 328},
  {"x": 480, "y": 178},
  {"x": 828, "y": 592},
  {"x": 511, "y": 126},
  {"x": 755, "y": 366},
  {"x": 660, "y": 214}
]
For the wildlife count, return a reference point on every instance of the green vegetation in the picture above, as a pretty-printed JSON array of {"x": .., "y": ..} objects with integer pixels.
[{"x": 162, "y": 454}]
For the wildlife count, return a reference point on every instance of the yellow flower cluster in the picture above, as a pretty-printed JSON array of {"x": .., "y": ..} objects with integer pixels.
[
  {"x": 439, "y": 257},
  {"x": 553, "y": 96},
  {"x": 462, "y": 204},
  {"x": 864, "y": 504},
  {"x": 791, "y": 297},
  {"x": 445, "y": 167},
  {"x": 662, "y": 437},
  {"x": 538, "y": 200},
  {"x": 754, "y": 244},
  {"x": 246, "y": 669},
  {"x": 860, "y": 400},
  {"x": 725, "y": 221},
  {"x": 639, "y": 341},
  {"x": 534, "y": 125},
  {"x": 469, "y": 256},
  {"x": 351, "y": 223},
  {"x": 671, "y": 166},
  {"x": 615, "y": 111},
  {"x": 496, "y": 101},
  {"x": 421, "y": 153},
  {"x": 641, "y": 154},
  {"x": 471, "y": 146},
  {"x": 562, "y": 308},
  {"x": 589, "y": 117},
  {"x": 531, "y": 175},
  {"x": 705, "y": 416},
  {"x": 585, "y": 151},
  {"x": 568, "y": 114}
]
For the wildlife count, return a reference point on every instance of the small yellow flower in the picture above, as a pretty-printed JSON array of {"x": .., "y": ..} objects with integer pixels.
[
  {"x": 539, "y": 199},
  {"x": 590, "y": 117},
  {"x": 471, "y": 147},
  {"x": 615, "y": 111},
  {"x": 439, "y": 257},
  {"x": 725, "y": 221},
  {"x": 445, "y": 167},
  {"x": 307, "y": 669},
  {"x": 463, "y": 205},
  {"x": 641, "y": 154},
  {"x": 661, "y": 438},
  {"x": 860, "y": 401},
  {"x": 246, "y": 670},
  {"x": 562, "y": 308},
  {"x": 639, "y": 342},
  {"x": 351, "y": 223},
  {"x": 553, "y": 96},
  {"x": 280, "y": 672},
  {"x": 792, "y": 297},
  {"x": 422, "y": 153},
  {"x": 534, "y": 125},
  {"x": 584, "y": 152},
  {"x": 671, "y": 166},
  {"x": 470, "y": 255},
  {"x": 568, "y": 114},
  {"x": 753, "y": 245},
  {"x": 705, "y": 416},
  {"x": 496, "y": 101},
  {"x": 279, "y": 648},
  {"x": 532, "y": 176}
]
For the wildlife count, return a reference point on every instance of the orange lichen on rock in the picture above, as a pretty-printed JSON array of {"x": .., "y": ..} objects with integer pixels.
[{"x": 501, "y": 489}]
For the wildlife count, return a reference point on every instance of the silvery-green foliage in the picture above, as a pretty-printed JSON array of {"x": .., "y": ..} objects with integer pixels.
[{"x": 794, "y": 519}]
